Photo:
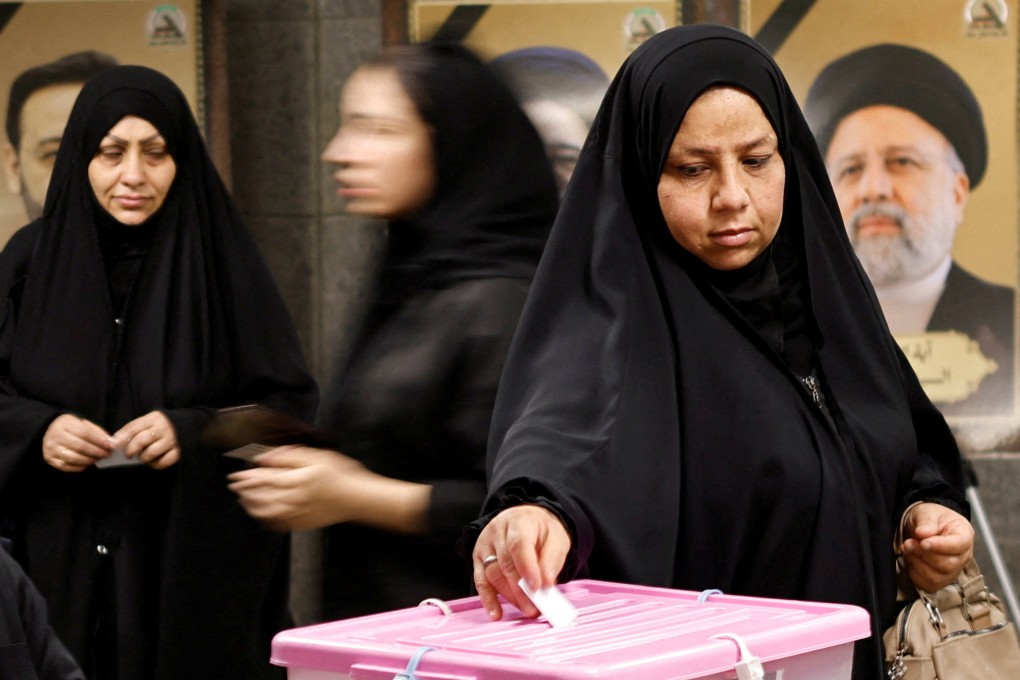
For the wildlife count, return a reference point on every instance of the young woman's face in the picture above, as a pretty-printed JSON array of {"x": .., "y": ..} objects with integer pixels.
[
  {"x": 721, "y": 190},
  {"x": 383, "y": 149},
  {"x": 132, "y": 171}
]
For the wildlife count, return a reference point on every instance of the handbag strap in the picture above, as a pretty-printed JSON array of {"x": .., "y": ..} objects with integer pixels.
[{"x": 976, "y": 600}]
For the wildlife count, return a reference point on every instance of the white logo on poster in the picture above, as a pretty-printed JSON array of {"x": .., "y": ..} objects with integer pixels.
[
  {"x": 986, "y": 18},
  {"x": 167, "y": 25},
  {"x": 640, "y": 25}
]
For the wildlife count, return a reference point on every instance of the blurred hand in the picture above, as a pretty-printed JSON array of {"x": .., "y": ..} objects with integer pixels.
[
  {"x": 297, "y": 487},
  {"x": 151, "y": 438},
  {"x": 528, "y": 541},
  {"x": 937, "y": 542},
  {"x": 72, "y": 444}
]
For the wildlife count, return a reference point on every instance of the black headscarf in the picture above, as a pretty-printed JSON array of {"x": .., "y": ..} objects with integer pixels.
[
  {"x": 649, "y": 404},
  {"x": 495, "y": 193},
  {"x": 197, "y": 332}
]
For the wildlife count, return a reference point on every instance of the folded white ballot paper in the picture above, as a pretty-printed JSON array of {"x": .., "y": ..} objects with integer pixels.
[
  {"x": 117, "y": 459},
  {"x": 553, "y": 604}
]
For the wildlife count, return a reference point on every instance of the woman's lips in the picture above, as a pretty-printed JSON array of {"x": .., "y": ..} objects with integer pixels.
[
  {"x": 129, "y": 202},
  {"x": 732, "y": 238}
]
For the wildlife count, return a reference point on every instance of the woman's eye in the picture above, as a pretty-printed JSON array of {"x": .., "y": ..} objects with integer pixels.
[
  {"x": 691, "y": 170},
  {"x": 111, "y": 154}
]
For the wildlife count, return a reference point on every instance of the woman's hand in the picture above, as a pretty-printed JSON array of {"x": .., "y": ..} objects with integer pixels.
[
  {"x": 527, "y": 541},
  {"x": 72, "y": 444},
  {"x": 151, "y": 438},
  {"x": 297, "y": 487},
  {"x": 937, "y": 542}
]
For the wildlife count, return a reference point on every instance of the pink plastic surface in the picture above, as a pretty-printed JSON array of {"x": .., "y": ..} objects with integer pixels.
[{"x": 624, "y": 632}]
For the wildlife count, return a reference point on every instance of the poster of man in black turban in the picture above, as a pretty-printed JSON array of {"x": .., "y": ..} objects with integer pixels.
[{"x": 913, "y": 105}]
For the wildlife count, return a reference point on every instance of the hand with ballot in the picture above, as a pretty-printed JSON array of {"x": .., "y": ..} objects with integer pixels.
[
  {"x": 299, "y": 487},
  {"x": 523, "y": 542},
  {"x": 73, "y": 444},
  {"x": 151, "y": 439}
]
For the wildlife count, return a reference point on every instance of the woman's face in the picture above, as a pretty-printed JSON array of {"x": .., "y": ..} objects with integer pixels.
[
  {"x": 383, "y": 149},
  {"x": 132, "y": 171},
  {"x": 562, "y": 131},
  {"x": 722, "y": 187}
]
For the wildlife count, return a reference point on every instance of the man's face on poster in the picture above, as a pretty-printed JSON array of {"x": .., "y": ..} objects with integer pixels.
[
  {"x": 901, "y": 190},
  {"x": 43, "y": 119}
]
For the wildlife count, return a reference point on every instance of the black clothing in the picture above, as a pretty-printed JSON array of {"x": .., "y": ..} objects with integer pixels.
[
  {"x": 984, "y": 311},
  {"x": 148, "y": 574},
  {"x": 416, "y": 405},
  {"x": 415, "y": 400},
  {"x": 29, "y": 649},
  {"x": 663, "y": 417},
  {"x": 908, "y": 78}
]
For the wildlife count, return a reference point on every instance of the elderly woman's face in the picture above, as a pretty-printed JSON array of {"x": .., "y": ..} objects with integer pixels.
[
  {"x": 383, "y": 150},
  {"x": 721, "y": 190},
  {"x": 132, "y": 171}
]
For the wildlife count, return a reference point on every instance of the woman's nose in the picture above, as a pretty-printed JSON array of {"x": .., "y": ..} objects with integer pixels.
[
  {"x": 730, "y": 194},
  {"x": 134, "y": 169},
  {"x": 338, "y": 150}
]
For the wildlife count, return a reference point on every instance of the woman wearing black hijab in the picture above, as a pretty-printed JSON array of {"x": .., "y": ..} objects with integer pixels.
[
  {"x": 702, "y": 392},
  {"x": 136, "y": 306},
  {"x": 433, "y": 142}
]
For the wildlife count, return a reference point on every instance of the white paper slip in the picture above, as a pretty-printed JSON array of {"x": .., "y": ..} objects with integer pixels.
[
  {"x": 117, "y": 459},
  {"x": 249, "y": 452},
  {"x": 553, "y": 604}
]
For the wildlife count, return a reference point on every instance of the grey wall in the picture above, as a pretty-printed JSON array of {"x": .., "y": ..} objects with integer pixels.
[{"x": 284, "y": 63}]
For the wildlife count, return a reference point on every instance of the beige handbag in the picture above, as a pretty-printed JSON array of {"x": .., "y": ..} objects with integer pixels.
[{"x": 957, "y": 633}]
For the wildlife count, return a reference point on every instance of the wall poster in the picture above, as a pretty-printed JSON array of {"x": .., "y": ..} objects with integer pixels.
[
  {"x": 558, "y": 55},
  {"x": 914, "y": 104},
  {"x": 52, "y": 45}
]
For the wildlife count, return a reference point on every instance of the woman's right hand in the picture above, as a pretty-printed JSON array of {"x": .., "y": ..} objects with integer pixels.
[
  {"x": 73, "y": 444},
  {"x": 528, "y": 541}
]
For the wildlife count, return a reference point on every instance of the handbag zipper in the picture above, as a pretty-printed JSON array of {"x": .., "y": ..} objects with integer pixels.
[
  {"x": 990, "y": 629},
  {"x": 898, "y": 669}
]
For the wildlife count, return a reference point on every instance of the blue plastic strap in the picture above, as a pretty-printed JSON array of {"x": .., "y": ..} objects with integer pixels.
[
  {"x": 706, "y": 593},
  {"x": 412, "y": 664}
]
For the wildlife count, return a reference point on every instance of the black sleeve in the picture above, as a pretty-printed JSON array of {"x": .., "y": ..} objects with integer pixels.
[
  {"x": 939, "y": 476},
  {"x": 28, "y": 646}
]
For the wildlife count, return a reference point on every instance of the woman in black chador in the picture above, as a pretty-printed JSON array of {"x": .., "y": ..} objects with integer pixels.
[
  {"x": 431, "y": 141},
  {"x": 132, "y": 309},
  {"x": 702, "y": 392}
]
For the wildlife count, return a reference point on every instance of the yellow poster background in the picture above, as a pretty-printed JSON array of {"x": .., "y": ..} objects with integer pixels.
[{"x": 596, "y": 28}]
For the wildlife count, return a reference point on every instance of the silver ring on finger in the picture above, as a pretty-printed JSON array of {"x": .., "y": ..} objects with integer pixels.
[{"x": 491, "y": 559}]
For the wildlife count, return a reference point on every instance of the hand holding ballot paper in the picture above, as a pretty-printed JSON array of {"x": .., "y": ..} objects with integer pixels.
[
  {"x": 250, "y": 430},
  {"x": 73, "y": 444},
  {"x": 300, "y": 481}
]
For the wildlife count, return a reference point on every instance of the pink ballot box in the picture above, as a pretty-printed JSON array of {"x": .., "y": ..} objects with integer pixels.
[{"x": 623, "y": 632}]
